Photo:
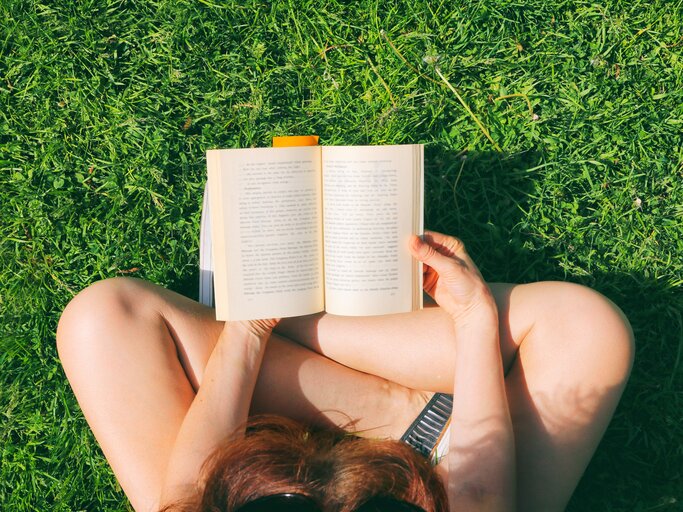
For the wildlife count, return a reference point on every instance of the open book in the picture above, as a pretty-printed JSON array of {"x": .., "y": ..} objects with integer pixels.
[{"x": 299, "y": 230}]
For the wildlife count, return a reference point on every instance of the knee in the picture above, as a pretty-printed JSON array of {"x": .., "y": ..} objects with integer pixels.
[
  {"x": 96, "y": 310},
  {"x": 596, "y": 330},
  {"x": 581, "y": 328}
]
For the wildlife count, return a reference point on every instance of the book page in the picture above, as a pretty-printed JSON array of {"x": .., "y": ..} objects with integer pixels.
[
  {"x": 271, "y": 230},
  {"x": 369, "y": 213}
]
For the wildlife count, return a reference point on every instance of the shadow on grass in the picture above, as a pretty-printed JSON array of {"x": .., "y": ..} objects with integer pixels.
[
  {"x": 640, "y": 458},
  {"x": 482, "y": 198},
  {"x": 639, "y": 461},
  {"x": 478, "y": 197}
]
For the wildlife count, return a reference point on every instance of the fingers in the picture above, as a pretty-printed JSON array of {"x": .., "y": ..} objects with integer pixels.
[
  {"x": 451, "y": 277},
  {"x": 428, "y": 254},
  {"x": 260, "y": 327},
  {"x": 442, "y": 253},
  {"x": 446, "y": 244},
  {"x": 450, "y": 246}
]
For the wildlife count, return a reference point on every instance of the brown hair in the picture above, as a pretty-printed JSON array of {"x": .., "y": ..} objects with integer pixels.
[{"x": 338, "y": 470}]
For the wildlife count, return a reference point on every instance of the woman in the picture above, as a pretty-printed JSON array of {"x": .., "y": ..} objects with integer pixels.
[{"x": 535, "y": 370}]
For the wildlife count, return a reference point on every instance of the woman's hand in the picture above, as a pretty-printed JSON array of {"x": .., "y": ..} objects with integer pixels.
[
  {"x": 261, "y": 327},
  {"x": 450, "y": 277}
]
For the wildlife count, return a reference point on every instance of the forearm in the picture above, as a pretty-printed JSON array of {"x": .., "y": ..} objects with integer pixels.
[
  {"x": 414, "y": 349},
  {"x": 411, "y": 349},
  {"x": 481, "y": 457},
  {"x": 219, "y": 409}
]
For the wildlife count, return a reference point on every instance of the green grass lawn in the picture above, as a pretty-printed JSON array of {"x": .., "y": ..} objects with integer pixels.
[{"x": 107, "y": 108}]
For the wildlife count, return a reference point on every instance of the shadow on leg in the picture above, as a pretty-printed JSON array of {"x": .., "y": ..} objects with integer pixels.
[
  {"x": 135, "y": 353},
  {"x": 563, "y": 388},
  {"x": 125, "y": 368}
]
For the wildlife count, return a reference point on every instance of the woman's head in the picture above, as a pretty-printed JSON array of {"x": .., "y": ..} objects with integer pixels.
[{"x": 336, "y": 470}]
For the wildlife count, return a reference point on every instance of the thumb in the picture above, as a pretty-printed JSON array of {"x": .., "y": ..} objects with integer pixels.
[{"x": 426, "y": 253}]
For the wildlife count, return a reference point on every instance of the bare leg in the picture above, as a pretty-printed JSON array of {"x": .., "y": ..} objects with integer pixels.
[
  {"x": 135, "y": 353},
  {"x": 567, "y": 351}
]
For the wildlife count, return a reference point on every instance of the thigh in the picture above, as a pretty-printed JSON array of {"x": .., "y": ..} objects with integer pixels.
[
  {"x": 135, "y": 355},
  {"x": 563, "y": 387},
  {"x": 134, "y": 368}
]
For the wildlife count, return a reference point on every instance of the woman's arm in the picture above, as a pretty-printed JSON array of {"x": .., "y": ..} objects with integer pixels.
[
  {"x": 221, "y": 405},
  {"x": 481, "y": 459}
]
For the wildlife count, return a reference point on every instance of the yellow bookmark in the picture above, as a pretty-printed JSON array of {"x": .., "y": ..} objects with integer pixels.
[{"x": 295, "y": 140}]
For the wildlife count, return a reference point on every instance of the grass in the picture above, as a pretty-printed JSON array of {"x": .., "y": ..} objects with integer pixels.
[{"x": 107, "y": 107}]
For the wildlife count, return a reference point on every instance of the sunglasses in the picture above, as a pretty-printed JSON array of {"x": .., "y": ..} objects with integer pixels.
[{"x": 292, "y": 502}]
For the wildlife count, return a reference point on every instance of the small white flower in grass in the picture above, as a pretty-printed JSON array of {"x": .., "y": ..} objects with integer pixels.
[
  {"x": 598, "y": 61},
  {"x": 431, "y": 59},
  {"x": 638, "y": 203},
  {"x": 535, "y": 117},
  {"x": 328, "y": 77}
]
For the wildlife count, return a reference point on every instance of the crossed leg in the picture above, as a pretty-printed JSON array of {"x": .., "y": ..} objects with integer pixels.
[
  {"x": 567, "y": 352},
  {"x": 135, "y": 353}
]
